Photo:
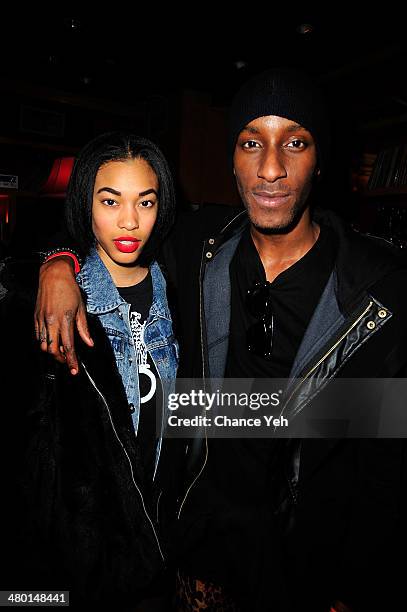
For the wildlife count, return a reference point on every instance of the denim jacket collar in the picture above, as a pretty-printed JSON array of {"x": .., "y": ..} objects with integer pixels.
[{"x": 102, "y": 294}]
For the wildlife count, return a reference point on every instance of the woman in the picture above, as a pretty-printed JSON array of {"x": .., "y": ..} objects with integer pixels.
[{"x": 93, "y": 474}]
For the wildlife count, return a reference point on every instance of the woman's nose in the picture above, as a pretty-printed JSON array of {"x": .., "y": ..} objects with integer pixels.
[{"x": 128, "y": 218}]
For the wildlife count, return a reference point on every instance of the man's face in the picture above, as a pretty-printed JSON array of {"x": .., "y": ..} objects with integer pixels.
[{"x": 275, "y": 164}]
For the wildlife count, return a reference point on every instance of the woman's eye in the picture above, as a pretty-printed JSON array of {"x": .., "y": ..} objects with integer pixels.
[
  {"x": 250, "y": 144},
  {"x": 109, "y": 202},
  {"x": 147, "y": 203}
]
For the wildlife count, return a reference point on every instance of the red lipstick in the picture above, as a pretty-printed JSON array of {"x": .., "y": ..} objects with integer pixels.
[{"x": 126, "y": 244}]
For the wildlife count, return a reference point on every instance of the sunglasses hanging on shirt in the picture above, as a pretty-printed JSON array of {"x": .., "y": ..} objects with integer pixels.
[{"x": 259, "y": 336}]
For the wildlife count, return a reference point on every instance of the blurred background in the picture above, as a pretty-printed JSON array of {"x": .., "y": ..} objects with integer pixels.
[{"x": 169, "y": 76}]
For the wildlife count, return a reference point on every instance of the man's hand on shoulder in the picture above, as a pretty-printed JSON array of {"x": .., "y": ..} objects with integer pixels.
[{"x": 59, "y": 307}]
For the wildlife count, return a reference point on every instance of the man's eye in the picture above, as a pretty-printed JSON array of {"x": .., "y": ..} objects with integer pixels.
[
  {"x": 297, "y": 144},
  {"x": 109, "y": 202},
  {"x": 250, "y": 144}
]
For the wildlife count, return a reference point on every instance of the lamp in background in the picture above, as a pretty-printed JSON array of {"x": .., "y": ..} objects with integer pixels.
[
  {"x": 4, "y": 216},
  {"x": 57, "y": 182}
]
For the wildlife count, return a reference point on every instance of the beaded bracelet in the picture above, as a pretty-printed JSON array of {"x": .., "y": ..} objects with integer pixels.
[{"x": 48, "y": 255}]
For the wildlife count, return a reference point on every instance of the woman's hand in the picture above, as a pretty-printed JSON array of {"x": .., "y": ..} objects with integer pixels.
[{"x": 59, "y": 307}]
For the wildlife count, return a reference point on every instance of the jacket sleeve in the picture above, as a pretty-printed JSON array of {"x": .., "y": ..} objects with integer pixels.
[
  {"x": 371, "y": 576},
  {"x": 26, "y": 446}
]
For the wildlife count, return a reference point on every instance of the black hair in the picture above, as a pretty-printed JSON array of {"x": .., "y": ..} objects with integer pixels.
[{"x": 116, "y": 146}]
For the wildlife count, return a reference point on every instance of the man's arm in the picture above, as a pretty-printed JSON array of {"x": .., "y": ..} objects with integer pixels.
[{"x": 58, "y": 309}]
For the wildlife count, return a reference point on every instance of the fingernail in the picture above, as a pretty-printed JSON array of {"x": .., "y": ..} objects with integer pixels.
[{"x": 73, "y": 371}]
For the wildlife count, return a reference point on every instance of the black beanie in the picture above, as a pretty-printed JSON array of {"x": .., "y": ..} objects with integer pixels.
[{"x": 286, "y": 93}]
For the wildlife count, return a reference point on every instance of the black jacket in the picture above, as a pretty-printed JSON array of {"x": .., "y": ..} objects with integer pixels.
[
  {"x": 78, "y": 515},
  {"x": 339, "y": 503}
]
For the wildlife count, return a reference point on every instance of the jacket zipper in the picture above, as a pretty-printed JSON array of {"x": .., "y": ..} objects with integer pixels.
[
  {"x": 127, "y": 457},
  {"x": 201, "y": 316},
  {"x": 327, "y": 354},
  {"x": 203, "y": 376},
  {"x": 158, "y": 502},
  {"x": 242, "y": 212}
]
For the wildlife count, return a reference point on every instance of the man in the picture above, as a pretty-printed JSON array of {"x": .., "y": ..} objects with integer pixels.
[{"x": 330, "y": 304}]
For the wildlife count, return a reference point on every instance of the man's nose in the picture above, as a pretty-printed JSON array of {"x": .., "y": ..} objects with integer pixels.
[{"x": 272, "y": 166}]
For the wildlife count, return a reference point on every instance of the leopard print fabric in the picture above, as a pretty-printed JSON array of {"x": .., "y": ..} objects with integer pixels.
[{"x": 194, "y": 595}]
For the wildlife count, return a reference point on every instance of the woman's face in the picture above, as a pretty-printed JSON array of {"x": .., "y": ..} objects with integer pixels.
[{"x": 124, "y": 211}]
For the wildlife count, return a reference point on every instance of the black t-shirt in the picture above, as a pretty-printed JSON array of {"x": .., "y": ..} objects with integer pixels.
[
  {"x": 140, "y": 298},
  {"x": 294, "y": 294}
]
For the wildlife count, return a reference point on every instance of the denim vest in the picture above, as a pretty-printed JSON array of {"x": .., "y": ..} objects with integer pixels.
[{"x": 104, "y": 300}]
